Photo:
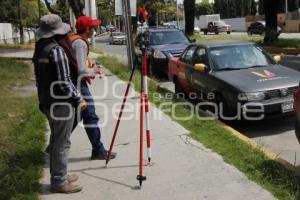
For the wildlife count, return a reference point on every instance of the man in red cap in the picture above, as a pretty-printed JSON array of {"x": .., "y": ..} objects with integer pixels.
[{"x": 85, "y": 27}]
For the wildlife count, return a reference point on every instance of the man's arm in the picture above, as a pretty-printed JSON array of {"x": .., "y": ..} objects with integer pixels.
[
  {"x": 59, "y": 58},
  {"x": 80, "y": 48}
]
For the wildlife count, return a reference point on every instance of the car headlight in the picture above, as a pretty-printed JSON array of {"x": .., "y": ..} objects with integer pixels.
[
  {"x": 252, "y": 96},
  {"x": 159, "y": 54}
]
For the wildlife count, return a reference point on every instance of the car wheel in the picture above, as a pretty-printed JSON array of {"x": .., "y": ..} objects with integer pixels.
[
  {"x": 178, "y": 89},
  {"x": 228, "y": 32},
  {"x": 217, "y": 33},
  {"x": 297, "y": 129},
  {"x": 222, "y": 106}
]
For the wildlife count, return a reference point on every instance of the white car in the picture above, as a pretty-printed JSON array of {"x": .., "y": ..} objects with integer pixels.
[{"x": 117, "y": 38}]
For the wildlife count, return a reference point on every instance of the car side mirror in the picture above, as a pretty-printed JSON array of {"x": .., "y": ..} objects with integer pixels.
[
  {"x": 277, "y": 58},
  {"x": 193, "y": 40},
  {"x": 200, "y": 67}
]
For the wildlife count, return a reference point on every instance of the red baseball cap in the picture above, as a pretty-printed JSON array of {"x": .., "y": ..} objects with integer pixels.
[{"x": 84, "y": 22}]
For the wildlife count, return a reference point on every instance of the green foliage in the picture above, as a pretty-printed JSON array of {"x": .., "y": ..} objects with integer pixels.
[
  {"x": 29, "y": 12},
  {"x": 203, "y": 8},
  {"x": 63, "y": 8},
  {"x": 106, "y": 11},
  {"x": 22, "y": 129},
  {"x": 153, "y": 7},
  {"x": 234, "y": 8}
]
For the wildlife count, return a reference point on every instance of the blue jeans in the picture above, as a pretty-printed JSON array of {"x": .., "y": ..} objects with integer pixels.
[{"x": 90, "y": 120}]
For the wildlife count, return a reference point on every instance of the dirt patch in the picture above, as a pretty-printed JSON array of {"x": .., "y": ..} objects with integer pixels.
[
  {"x": 26, "y": 91},
  {"x": 29, "y": 89}
]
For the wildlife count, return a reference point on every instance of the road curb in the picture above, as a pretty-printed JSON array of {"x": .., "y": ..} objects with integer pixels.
[{"x": 269, "y": 154}]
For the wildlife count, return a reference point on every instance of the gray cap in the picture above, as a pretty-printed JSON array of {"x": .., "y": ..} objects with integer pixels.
[{"x": 51, "y": 25}]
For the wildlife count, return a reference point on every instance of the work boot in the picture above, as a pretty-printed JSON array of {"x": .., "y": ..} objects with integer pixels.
[
  {"x": 103, "y": 156},
  {"x": 72, "y": 178},
  {"x": 67, "y": 189}
]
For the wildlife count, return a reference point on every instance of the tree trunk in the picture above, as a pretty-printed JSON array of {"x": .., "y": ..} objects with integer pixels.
[
  {"x": 271, "y": 10},
  {"x": 21, "y": 28},
  {"x": 189, "y": 12},
  {"x": 21, "y": 33},
  {"x": 77, "y": 7}
]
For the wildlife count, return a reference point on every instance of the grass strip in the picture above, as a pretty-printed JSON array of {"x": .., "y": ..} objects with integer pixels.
[
  {"x": 22, "y": 129},
  {"x": 281, "y": 42}
]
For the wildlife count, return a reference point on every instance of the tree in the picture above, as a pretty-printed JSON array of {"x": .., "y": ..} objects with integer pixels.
[
  {"x": 106, "y": 10},
  {"x": 203, "y": 8},
  {"x": 189, "y": 11},
  {"x": 271, "y": 10},
  {"x": 23, "y": 13},
  {"x": 234, "y": 8},
  {"x": 63, "y": 8},
  {"x": 76, "y": 5}
]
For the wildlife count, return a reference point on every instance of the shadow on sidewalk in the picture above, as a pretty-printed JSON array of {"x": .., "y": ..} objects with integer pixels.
[
  {"x": 103, "y": 168},
  {"x": 45, "y": 189},
  {"x": 112, "y": 181}
]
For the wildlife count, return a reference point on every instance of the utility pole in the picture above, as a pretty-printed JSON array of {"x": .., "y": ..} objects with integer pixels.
[
  {"x": 286, "y": 9},
  {"x": 177, "y": 17},
  {"x": 90, "y": 10},
  {"x": 39, "y": 7}
]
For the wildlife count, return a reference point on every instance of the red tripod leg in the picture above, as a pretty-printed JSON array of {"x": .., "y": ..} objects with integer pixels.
[
  {"x": 119, "y": 117},
  {"x": 146, "y": 99},
  {"x": 140, "y": 177}
]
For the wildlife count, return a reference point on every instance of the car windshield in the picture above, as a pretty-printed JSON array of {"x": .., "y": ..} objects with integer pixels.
[
  {"x": 168, "y": 37},
  {"x": 238, "y": 57},
  {"x": 118, "y": 34}
]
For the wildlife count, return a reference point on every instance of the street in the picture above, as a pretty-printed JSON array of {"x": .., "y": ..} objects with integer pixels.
[{"x": 275, "y": 134}]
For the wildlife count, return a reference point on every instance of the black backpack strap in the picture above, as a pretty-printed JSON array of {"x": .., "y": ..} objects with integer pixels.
[{"x": 44, "y": 55}]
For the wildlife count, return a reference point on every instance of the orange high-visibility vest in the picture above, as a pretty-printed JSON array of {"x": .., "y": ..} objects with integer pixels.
[{"x": 89, "y": 62}]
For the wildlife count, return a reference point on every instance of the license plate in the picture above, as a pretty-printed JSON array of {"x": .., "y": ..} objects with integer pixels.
[{"x": 287, "y": 107}]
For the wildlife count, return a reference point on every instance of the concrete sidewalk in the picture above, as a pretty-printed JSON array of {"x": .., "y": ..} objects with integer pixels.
[
  {"x": 182, "y": 168},
  {"x": 25, "y": 54}
]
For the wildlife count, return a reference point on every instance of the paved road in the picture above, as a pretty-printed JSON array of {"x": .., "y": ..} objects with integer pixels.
[
  {"x": 276, "y": 134},
  {"x": 115, "y": 50}
]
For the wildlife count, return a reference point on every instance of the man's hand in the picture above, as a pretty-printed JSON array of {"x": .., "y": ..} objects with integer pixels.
[
  {"x": 82, "y": 105},
  {"x": 97, "y": 70}
]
